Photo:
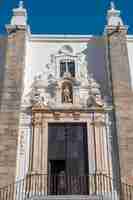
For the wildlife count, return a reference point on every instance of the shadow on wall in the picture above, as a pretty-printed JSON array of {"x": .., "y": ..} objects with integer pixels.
[
  {"x": 3, "y": 47},
  {"x": 97, "y": 65}
]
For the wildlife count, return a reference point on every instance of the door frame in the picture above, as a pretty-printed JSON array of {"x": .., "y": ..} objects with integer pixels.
[{"x": 86, "y": 153}]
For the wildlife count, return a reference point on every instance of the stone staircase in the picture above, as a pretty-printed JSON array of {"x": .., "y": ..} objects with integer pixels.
[{"x": 34, "y": 187}]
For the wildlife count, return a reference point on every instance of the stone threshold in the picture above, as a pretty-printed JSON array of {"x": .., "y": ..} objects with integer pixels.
[{"x": 73, "y": 197}]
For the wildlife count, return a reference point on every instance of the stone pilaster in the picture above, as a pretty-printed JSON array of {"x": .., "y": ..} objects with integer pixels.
[
  {"x": 122, "y": 96},
  {"x": 38, "y": 157},
  {"x": 39, "y": 150},
  {"x": 10, "y": 102}
]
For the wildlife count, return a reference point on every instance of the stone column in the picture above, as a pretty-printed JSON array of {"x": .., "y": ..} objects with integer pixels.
[
  {"x": 45, "y": 146},
  {"x": 99, "y": 155},
  {"x": 36, "y": 145},
  {"x": 102, "y": 152},
  {"x": 45, "y": 153},
  {"x": 76, "y": 95},
  {"x": 59, "y": 94},
  {"x": 91, "y": 155}
]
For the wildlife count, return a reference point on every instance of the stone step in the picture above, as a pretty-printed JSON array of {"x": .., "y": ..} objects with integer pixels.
[{"x": 72, "y": 197}]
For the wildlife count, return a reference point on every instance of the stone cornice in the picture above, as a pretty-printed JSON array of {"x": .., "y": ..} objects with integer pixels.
[
  {"x": 61, "y": 38},
  {"x": 44, "y": 109},
  {"x": 11, "y": 28}
]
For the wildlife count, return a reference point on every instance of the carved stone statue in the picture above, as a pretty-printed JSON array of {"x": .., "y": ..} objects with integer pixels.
[
  {"x": 67, "y": 95},
  {"x": 99, "y": 100},
  {"x": 40, "y": 99},
  {"x": 94, "y": 100}
]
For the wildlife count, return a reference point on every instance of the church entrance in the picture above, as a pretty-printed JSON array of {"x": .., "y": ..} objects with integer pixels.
[{"x": 67, "y": 158}]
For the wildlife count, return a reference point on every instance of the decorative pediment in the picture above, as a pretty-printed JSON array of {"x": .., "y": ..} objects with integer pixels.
[{"x": 66, "y": 50}]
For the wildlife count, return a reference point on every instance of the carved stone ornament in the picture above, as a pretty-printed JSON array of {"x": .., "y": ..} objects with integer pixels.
[
  {"x": 51, "y": 90},
  {"x": 38, "y": 119},
  {"x": 76, "y": 115},
  {"x": 95, "y": 101},
  {"x": 39, "y": 100},
  {"x": 57, "y": 115}
]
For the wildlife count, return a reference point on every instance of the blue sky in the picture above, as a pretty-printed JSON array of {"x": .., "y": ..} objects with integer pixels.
[{"x": 67, "y": 16}]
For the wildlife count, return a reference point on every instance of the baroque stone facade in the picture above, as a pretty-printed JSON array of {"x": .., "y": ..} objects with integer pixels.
[{"x": 48, "y": 79}]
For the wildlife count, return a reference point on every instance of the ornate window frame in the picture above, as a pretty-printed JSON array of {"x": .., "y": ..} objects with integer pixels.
[{"x": 65, "y": 57}]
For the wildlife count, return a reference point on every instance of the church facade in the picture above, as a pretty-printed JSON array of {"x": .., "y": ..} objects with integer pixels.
[{"x": 66, "y": 112}]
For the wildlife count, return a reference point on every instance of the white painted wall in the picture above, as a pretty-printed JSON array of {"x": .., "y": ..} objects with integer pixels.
[
  {"x": 40, "y": 47},
  {"x": 38, "y": 53}
]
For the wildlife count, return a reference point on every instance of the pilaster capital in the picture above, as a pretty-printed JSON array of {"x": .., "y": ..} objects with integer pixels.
[
  {"x": 57, "y": 115},
  {"x": 14, "y": 28},
  {"x": 37, "y": 119},
  {"x": 76, "y": 115}
]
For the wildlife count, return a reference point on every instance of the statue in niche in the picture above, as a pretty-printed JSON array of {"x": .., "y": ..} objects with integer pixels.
[{"x": 67, "y": 94}]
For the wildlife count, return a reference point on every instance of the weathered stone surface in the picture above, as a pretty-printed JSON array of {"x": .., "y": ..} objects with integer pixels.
[
  {"x": 122, "y": 99},
  {"x": 74, "y": 197},
  {"x": 3, "y": 44},
  {"x": 12, "y": 86}
]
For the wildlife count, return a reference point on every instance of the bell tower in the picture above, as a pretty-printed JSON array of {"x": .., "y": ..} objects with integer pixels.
[
  {"x": 120, "y": 85},
  {"x": 11, "y": 93}
]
